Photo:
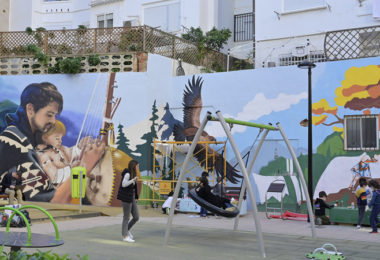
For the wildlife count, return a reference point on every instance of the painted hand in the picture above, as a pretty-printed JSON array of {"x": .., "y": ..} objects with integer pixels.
[{"x": 92, "y": 153}]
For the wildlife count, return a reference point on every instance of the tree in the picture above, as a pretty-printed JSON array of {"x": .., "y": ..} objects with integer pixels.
[
  {"x": 146, "y": 149},
  {"x": 212, "y": 40},
  {"x": 359, "y": 92},
  {"x": 123, "y": 142}
]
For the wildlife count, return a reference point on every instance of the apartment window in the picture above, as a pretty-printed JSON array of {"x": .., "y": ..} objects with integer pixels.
[
  {"x": 105, "y": 21},
  {"x": 290, "y": 60},
  {"x": 243, "y": 27},
  {"x": 295, "y": 5},
  {"x": 361, "y": 132},
  {"x": 167, "y": 17}
]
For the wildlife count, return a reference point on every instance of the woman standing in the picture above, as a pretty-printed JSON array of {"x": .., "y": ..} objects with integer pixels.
[{"x": 128, "y": 196}]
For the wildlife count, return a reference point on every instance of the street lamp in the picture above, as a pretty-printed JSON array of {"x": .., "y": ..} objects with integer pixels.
[{"x": 309, "y": 65}]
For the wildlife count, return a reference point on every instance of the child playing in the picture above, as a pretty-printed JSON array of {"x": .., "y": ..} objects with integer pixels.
[
  {"x": 375, "y": 204},
  {"x": 361, "y": 195},
  {"x": 203, "y": 212},
  {"x": 54, "y": 157},
  {"x": 320, "y": 206},
  {"x": 167, "y": 204},
  {"x": 219, "y": 190},
  {"x": 205, "y": 193}
]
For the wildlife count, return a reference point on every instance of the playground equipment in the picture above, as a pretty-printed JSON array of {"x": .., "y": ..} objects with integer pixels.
[
  {"x": 218, "y": 211},
  {"x": 243, "y": 169},
  {"x": 17, "y": 240},
  {"x": 165, "y": 152},
  {"x": 78, "y": 184},
  {"x": 326, "y": 255},
  {"x": 277, "y": 186}
]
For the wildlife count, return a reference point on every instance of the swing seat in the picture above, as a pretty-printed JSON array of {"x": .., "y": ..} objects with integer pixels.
[{"x": 218, "y": 211}]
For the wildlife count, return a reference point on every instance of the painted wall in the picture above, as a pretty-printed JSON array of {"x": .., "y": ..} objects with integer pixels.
[
  {"x": 20, "y": 15},
  {"x": 152, "y": 106}
]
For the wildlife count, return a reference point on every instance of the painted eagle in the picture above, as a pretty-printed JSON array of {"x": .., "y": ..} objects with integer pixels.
[{"x": 192, "y": 102}]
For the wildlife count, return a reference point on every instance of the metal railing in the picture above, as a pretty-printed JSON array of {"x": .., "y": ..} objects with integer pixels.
[
  {"x": 117, "y": 40},
  {"x": 290, "y": 60},
  {"x": 243, "y": 27},
  {"x": 352, "y": 44}
]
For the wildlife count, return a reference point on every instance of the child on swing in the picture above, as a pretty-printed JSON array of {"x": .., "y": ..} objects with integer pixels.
[
  {"x": 219, "y": 190},
  {"x": 204, "y": 191}
]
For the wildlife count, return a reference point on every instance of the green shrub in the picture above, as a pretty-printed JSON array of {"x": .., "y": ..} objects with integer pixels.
[{"x": 94, "y": 60}]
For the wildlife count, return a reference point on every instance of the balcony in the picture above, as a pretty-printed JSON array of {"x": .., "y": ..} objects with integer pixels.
[{"x": 103, "y": 2}]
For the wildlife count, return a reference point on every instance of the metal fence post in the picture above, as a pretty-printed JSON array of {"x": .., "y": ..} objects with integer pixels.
[
  {"x": 95, "y": 39},
  {"x": 144, "y": 40}
]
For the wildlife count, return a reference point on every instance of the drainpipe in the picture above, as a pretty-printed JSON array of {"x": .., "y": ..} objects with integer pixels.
[{"x": 254, "y": 31}]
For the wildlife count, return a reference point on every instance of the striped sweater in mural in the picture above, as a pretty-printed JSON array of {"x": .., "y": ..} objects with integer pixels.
[{"x": 17, "y": 152}]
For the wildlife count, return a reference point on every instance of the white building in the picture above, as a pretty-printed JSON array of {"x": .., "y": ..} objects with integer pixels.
[{"x": 281, "y": 27}]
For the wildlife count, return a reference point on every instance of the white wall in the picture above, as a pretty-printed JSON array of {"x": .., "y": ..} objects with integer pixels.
[
  {"x": 20, "y": 15},
  {"x": 305, "y": 25}
]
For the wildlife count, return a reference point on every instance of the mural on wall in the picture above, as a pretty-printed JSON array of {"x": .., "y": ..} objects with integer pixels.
[
  {"x": 44, "y": 139},
  {"x": 94, "y": 129}
]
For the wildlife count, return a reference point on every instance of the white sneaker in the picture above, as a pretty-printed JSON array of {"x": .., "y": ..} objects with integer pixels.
[
  {"x": 130, "y": 234},
  {"x": 128, "y": 239}
]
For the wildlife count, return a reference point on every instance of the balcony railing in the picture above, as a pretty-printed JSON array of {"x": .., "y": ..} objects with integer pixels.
[
  {"x": 117, "y": 40},
  {"x": 243, "y": 27},
  {"x": 352, "y": 44},
  {"x": 55, "y": 0}
]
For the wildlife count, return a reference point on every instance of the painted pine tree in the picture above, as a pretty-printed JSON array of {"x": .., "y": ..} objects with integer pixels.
[
  {"x": 146, "y": 149},
  {"x": 123, "y": 142}
]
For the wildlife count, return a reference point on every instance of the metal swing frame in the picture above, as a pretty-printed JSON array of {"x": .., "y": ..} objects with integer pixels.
[{"x": 245, "y": 172}]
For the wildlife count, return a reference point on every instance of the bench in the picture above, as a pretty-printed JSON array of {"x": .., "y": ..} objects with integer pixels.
[{"x": 234, "y": 192}]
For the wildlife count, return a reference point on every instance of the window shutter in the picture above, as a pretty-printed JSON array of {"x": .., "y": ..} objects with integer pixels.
[
  {"x": 156, "y": 16},
  {"x": 174, "y": 17}
]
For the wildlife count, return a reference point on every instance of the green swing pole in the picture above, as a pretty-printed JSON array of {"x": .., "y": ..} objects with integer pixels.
[
  {"x": 239, "y": 122},
  {"x": 40, "y": 209},
  {"x": 24, "y": 218}
]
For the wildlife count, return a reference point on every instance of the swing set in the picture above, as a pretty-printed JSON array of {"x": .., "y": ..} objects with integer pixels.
[{"x": 246, "y": 171}]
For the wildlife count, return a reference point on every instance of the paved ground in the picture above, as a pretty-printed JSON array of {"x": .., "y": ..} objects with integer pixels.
[{"x": 195, "y": 238}]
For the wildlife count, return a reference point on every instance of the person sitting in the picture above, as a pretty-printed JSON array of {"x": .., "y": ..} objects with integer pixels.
[
  {"x": 320, "y": 207},
  {"x": 219, "y": 190},
  {"x": 203, "y": 212},
  {"x": 11, "y": 184},
  {"x": 204, "y": 191},
  {"x": 167, "y": 204}
]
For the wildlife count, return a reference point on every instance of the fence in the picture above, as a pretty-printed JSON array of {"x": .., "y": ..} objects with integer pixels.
[
  {"x": 353, "y": 43},
  {"x": 103, "y": 41}
]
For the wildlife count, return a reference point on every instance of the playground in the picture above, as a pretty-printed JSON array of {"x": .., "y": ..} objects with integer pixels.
[{"x": 208, "y": 238}]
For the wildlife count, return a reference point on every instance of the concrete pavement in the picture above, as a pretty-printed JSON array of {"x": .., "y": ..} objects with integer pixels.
[{"x": 196, "y": 238}]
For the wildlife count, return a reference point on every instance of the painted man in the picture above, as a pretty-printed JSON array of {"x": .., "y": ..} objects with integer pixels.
[
  {"x": 40, "y": 103},
  {"x": 361, "y": 170}
]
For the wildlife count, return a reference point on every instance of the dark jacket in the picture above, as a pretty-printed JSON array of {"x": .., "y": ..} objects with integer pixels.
[
  {"x": 219, "y": 190},
  {"x": 375, "y": 201},
  {"x": 17, "y": 149},
  {"x": 320, "y": 206},
  {"x": 126, "y": 193},
  {"x": 7, "y": 181},
  {"x": 206, "y": 194},
  {"x": 361, "y": 195}
]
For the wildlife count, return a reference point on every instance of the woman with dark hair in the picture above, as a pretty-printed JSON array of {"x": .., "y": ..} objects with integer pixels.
[
  {"x": 205, "y": 193},
  {"x": 375, "y": 204},
  {"x": 128, "y": 196}
]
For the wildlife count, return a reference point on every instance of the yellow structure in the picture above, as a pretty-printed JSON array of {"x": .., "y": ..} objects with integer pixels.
[{"x": 160, "y": 176}]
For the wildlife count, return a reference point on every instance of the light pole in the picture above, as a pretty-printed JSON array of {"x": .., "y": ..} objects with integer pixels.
[{"x": 309, "y": 65}]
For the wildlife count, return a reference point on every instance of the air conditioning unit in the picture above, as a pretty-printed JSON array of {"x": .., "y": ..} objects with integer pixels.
[
  {"x": 301, "y": 51},
  {"x": 130, "y": 23}
]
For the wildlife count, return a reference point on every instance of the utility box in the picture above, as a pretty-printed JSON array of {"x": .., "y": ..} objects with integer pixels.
[{"x": 75, "y": 182}]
